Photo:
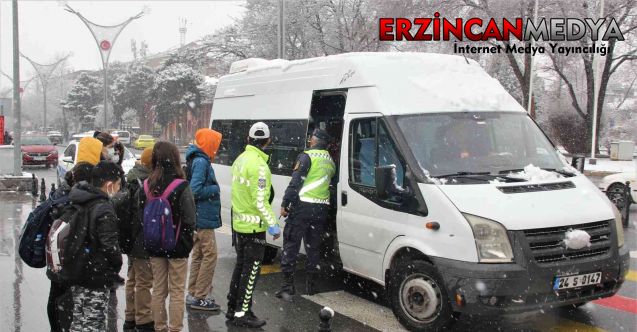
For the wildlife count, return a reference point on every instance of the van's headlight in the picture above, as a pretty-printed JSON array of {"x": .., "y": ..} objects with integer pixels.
[
  {"x": 492, "y": 241},
  {"x": 619, "y": 226}
]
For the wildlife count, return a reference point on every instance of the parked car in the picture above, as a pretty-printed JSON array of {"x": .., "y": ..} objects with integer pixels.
[
  {"x": 67, "y": 159},
  {"x": 614, "y": 186},
  {"x": 448, "y": 194},
  {"x": 55, "y": 137},
  {"x": 123, "y": 136},
  {"x": 39, "y": 150},
  {"x": 144, "y": 141}
]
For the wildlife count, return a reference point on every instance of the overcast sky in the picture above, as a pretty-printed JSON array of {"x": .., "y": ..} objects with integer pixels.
[{"x": 48, "y": 31}]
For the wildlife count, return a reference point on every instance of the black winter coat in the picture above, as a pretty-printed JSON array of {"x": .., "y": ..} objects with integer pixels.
[
  {"x": 105, "y": 260},
  {"x": 129, "y": 213}
]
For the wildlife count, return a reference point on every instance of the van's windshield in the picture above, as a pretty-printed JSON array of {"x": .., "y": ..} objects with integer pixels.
[{"x": 477, "y": 142}]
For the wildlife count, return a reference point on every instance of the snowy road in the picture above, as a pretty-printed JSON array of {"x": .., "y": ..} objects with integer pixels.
[{"x": 360, "y": 305}]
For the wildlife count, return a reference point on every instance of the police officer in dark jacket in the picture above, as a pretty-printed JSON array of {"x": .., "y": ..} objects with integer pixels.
[{"x": 306, "y": 204}]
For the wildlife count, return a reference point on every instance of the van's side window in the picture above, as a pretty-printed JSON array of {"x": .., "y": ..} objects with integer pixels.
[
  {"x": 371, "y": 146},
  {"x": 363, "y": 151},
  {"x": 288, "y": 140}
]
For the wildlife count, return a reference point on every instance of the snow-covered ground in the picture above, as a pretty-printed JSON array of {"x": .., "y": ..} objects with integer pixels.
[{"x": 611, "y": 166}]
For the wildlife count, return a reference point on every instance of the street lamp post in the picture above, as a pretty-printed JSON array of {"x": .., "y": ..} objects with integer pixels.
[
  {"x": 105, "y": 37},
  {"x": 17, "y": 123},
  {"x": 44, "y": 73}
]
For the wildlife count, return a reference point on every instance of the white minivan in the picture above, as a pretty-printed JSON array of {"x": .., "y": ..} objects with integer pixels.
[{"x": 447, "y": 193}]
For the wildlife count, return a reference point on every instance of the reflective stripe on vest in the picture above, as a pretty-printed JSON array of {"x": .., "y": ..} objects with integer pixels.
[
  {"x": 316, "y": 186},
  {"x": 246, "y": 218}
]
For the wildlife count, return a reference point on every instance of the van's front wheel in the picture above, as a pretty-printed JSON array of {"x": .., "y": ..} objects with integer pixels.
[{"x": 418, "y": 297}]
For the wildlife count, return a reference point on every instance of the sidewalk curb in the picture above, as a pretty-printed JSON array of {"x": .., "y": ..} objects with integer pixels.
[{"x": 16, "y": 183}]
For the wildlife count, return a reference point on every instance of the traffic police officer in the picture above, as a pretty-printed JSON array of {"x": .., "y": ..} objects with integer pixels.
[
  {"x": 251, "y": 216},
  {"x": 306, "y": 203}
]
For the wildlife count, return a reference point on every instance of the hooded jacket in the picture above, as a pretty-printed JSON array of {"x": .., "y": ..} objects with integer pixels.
[
  {"x": 130, "y": 216},
  {"x": 89, "y": 150},
  {"x": 203, "y": 182},
  {"x": 105, "y": 259}
]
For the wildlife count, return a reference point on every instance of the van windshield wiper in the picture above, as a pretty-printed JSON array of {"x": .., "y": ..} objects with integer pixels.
[
  {"x": 558, "y": 171},
  {"x": 470, "y": 175},
  {"x": 481, "y": 176}
]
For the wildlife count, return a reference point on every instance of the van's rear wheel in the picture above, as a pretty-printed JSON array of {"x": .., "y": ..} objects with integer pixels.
[{"x": 419, "y": 298}]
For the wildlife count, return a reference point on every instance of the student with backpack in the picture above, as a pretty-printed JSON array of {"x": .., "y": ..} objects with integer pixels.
[
  {"x": 92, "y": 257},
  {"x": 59, "y": 306},
  {"x": 205, "y": 189},
  {"x": 168, "y": 221},
  {"x": 137, "y": 315}
]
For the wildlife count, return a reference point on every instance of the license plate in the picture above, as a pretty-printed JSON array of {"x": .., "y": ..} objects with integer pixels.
[
  {"x": 577, "y": 281},
  {"x": 39, "y": 158}
]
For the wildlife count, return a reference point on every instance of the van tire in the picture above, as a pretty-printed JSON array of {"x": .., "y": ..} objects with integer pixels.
[
  {"x": 270, "y": 254},
  {"x": 420, "y": 275}
]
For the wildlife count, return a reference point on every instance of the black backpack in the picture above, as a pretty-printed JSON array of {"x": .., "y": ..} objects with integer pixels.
[
  {"x": 79, "y": 244},
  {"x": 127, "y": 211},
  {"x": 34, "y": 232}
]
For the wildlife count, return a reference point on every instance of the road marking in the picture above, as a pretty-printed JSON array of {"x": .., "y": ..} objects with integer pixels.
[
  {"x": 269, "y": 269},
  {"x": 619, "y": 302},
  {"x": 566, "y": 325},
  {"x": 632, "y": 275}
]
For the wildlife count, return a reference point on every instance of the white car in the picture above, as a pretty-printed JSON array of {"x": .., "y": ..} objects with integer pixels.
[
  {"x": 123, "y": 136},
  {"x": 67, "y": 159},
  {"x": 615, "y": 184}
]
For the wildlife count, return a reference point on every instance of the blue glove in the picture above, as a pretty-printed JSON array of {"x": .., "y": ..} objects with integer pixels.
[{"x": 274, "y": 230}]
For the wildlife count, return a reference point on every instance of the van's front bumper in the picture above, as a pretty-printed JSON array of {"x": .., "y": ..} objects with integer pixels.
[{"x": 516, "y": 288}]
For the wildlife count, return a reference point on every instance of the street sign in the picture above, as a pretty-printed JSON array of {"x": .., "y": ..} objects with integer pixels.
[
  {"x": 1, "y": 129},
  {"x": 105, "y": 45}
]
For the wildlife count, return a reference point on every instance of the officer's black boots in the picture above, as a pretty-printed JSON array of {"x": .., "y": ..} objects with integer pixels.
[
  {"x": 310, "y": 280},
  {"x": 287, "y": 288},
  {"x": 249, "y": 320}
]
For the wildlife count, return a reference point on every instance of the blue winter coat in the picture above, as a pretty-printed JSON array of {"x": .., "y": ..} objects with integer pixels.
[{"x": 204, "y": 188}]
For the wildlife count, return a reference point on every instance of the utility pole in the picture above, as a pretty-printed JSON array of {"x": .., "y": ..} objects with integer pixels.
[
  {"x": 530, "y": 101},
  {"x": 596, "y": 84},
  {"x": 17, "y": 123},
  {"x": 281, "y": 31}
]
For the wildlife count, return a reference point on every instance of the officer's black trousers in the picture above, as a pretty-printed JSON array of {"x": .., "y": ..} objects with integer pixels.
[
  {"x": 307, "y": 223},
  {"x": 250, "y": 249}
]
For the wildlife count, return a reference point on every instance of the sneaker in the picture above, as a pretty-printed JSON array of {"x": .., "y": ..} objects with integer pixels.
[
  {"x": 129, "y": 326},
  {"x": 249, "y": 320},
  {"x": 190, "y": 300},
  {"x": 205, "y": 304}
]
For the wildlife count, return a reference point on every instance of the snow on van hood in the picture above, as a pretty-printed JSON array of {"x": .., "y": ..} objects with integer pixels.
[{"x": 519, "y": 211}]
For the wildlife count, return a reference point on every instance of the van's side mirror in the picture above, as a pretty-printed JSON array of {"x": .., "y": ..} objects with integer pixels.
[{"x": 385, "y": 179}]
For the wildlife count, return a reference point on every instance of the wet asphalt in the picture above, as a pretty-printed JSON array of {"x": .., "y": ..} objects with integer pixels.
[{"x": 359, "y": 305}]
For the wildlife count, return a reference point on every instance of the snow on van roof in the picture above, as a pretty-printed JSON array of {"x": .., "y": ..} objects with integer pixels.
[{"x": 405, "y": 82}]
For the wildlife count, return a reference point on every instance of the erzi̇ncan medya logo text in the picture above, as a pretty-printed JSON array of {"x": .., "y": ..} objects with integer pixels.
[{"x": 551, "y": 30}]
